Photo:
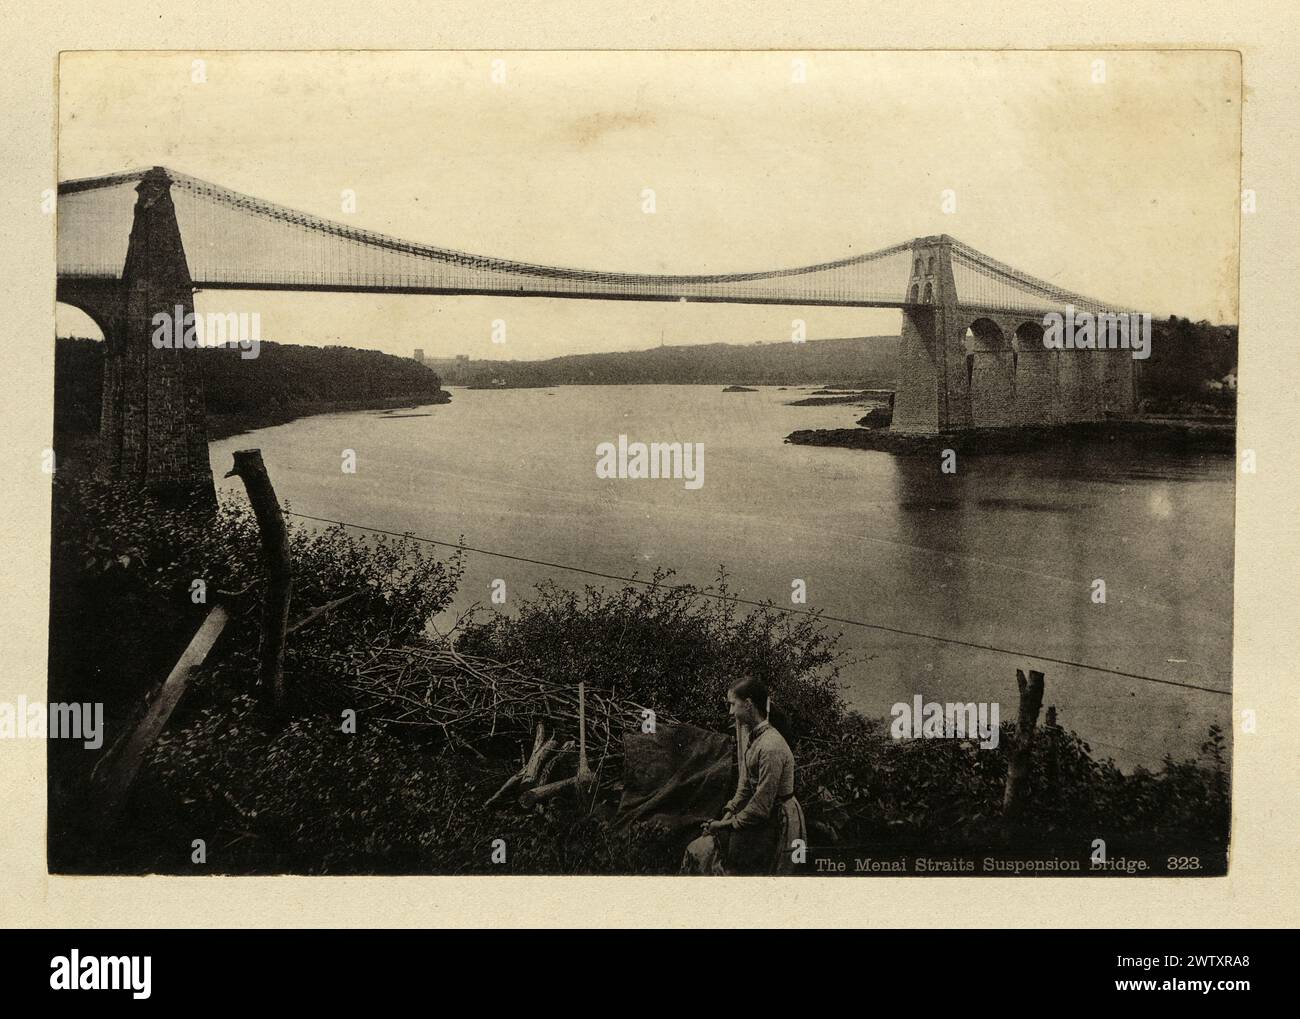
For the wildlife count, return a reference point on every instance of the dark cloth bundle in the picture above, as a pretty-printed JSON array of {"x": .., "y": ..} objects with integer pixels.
[{"x": 678, "y": 776}]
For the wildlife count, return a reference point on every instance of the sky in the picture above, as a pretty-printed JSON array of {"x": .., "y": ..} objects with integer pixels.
[{"x": 1125, "y": 188}]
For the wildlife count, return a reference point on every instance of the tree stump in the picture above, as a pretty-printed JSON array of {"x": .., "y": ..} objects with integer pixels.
[
  {"x": 279, "y": 575},
  {"x": 1031, "y": 700}
]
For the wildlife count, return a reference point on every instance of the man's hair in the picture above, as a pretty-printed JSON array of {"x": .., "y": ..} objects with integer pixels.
[{"x": 751, "y": 688}]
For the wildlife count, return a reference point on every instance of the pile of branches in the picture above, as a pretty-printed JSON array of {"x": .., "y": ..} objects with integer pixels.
[{"x": 471, "y": 700}]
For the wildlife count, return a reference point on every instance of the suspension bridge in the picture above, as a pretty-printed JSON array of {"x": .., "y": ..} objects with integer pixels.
[{"x": 134, "y": 244}]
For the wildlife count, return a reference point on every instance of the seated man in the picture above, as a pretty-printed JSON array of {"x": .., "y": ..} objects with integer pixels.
[{"x": 763, "y": 819}]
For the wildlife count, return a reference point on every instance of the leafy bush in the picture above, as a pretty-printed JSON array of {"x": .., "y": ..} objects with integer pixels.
[
  {"x": 122, "y": 610},
  {"x": 673, "y": 648},
  {"x": 307, "y": 797},
  {"x": 949, "y": 793},
  {"x": 129, "y": 566},
  {"x": 310, "y": 798},
  {"x": 1184, "y": 355}
]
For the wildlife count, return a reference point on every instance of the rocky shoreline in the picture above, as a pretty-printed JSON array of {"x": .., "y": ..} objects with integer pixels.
[{"x": 1197, "y": 435}]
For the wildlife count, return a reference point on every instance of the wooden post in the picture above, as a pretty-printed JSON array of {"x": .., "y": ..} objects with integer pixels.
[
  {"x": 279, "y": 573},
  {"x": 1031, "y": 700},
  {"x": 122, "y": 763},
  {"x": 585, "y": 777},
  {"x": 582, "y": 726}
]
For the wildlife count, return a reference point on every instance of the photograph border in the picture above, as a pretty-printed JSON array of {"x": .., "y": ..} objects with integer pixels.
[{"x": 1259, "y": 889}]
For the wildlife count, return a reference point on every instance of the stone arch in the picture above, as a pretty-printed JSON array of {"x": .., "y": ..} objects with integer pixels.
[
  {"x": 990, "y": 374},
  {"x": 100, "y": 300},
  {"x": 917, "y": 268},
  {"x": 929, "y": 293},
  {"x": 102, "y": 305},
  {"x": 930, "y": 266},
  {"x": 915, "y": 293},
  {"x": 95, "y": 318},
  {"x": 1036, "y": 375},
  {"x": 1029, "y": 336},
  {"x": 984, "y": 334}
]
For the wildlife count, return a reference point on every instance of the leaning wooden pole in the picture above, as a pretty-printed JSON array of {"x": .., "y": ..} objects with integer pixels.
[
  {"x": 584, "y": 772},
  {"x": 279, "y": 574},
  {"x": 117, "y": 770},
  {"x": 1031, "y": 700}
]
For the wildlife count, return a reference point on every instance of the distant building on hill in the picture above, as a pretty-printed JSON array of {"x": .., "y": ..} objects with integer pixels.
[{"x": 453, "y": 370}]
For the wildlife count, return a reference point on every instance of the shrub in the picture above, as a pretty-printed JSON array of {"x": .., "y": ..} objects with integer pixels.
[
  {"x": 307, "y": 797},
  {"x": 673, "y": 648},
  {"x": 121, "y": 609},
  {"x": 125, "y": 567}
]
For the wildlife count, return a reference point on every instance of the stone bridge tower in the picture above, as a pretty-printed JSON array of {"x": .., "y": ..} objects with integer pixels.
[
  {"x": 152, "y": 428},
  {"x": 962, "y": 367}
]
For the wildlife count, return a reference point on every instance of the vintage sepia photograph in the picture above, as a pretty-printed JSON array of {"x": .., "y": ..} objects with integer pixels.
[{"x": 694, "y": 463}]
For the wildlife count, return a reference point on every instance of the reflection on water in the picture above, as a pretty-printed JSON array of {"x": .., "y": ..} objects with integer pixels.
[{"x": 1002, "y": 553}]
